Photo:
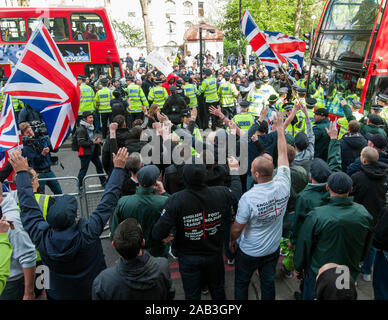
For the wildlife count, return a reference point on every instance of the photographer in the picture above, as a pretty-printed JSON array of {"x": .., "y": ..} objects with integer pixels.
[{"x": 37, "y": 147}]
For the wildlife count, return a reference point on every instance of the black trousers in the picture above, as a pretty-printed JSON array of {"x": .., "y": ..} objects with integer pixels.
[
  {"x": 105, "y": 116},
  {"x": 206, "y": 116}
]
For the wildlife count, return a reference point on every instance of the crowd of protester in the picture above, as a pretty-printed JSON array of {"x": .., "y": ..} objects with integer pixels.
[{"x": 308, "y": 193}]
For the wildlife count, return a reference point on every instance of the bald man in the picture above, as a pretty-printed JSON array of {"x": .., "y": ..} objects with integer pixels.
[
  {"x": 259, "y": 220},
  {"x": 370, "y": 186}
]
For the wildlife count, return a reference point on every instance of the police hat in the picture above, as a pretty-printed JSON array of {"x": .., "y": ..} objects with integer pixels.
[
  {"x": 283, "y": 90},
  {"x": 356, "y": 104},
  {"x": 375, "y": 119},
  {"x": 265, "y": 79},
  {"x": 377, "y": 107},
  {"x": 158, "y": 80},
  {"x": 301, "y": 90},
  {"x": 186, "y": 113},
  {"x": 383, "y": 97},
  {"x": 114, "y": 80},
  {"x": 310, "y": 102},
  {"x": 207, "y": 72},
  {"x": 258, "y": 83},
  {"x": 244, "y": 104},
  {"x": 340, "y": 182},
  {"x": 322, "y": 112},
  {"x": 288, "y": 106},
  {"x": 178, "y": 83},
  {"x": 226, "y": 75},
  {"x": 81, "y": 77},
  {"x": 104, "y": 80},
  {"x": 86, "y": 114},
  {"x": 186, "y": 78},
  {"x": 173, "y": 88},
  {"x": 131, "y": 78},
  {"x": 273, "y": 98}
]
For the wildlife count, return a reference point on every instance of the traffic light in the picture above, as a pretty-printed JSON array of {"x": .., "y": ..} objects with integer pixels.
[{"x": 308, "y": 40}]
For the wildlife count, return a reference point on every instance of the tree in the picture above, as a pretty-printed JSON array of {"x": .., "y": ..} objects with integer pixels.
[
  {"x": 147, "y": 27},
  {"x": 133, "y": 36}
]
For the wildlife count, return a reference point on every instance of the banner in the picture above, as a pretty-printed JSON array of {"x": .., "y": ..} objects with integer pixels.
[{"x": 160, "y": 62}]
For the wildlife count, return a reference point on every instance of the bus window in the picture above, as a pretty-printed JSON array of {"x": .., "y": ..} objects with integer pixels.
[
  {"x": 13, "y": 29},
  {"x": 116, "y": 70},
  {"x": 98, "y": 69},
  {"x": 58, "y": 27},
  {"x": 352, "y": 15},
  {"x": 87, "y": 26}
]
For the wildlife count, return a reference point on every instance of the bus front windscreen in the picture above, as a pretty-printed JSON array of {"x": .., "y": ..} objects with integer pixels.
[{"x": 352, "y": 15}]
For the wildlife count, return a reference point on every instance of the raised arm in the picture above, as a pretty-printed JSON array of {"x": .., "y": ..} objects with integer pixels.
[{"x": 282, "y": 144}]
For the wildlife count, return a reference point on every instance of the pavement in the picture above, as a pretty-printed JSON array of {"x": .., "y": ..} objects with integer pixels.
[{"x": 285, "y": 287}]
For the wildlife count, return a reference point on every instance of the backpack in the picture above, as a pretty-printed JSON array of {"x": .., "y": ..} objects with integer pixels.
[{"x": 74, "y": 141}]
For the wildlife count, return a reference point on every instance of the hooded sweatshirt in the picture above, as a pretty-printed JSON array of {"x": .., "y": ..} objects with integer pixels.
[
  {"x": 370, "y": 186},
  {"x": 167, "y": 85},
  {"x": 141, "y": 278},
  {"x": 351, "y": 147}
]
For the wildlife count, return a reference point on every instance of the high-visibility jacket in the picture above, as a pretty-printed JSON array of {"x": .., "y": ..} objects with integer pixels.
[
  {"x": 88, "y": 99},
  {"x": 344, "y": 124},
  {"x": 209, "y": 87},
  {"x": 310, "y": 113},
  {"x": 384, "y": 114},
  {"x": 301, "y": 83},
  {"x": 190, "y": 90},
  {"x": 279, "y": 105},
  {"x": 17, "y": 104},
  {"x": 103, "y": 98},
  {"x": 228, "y": 94},
  {"x": 2, "y": 96},
  {"x": 335, "y": 105},
  {"x": 257, "y": 99},
  {"x": 244, "y": 120},
  {"x": 300, "y": 126},
  {"x": 158, "y": 95},
  {"x": 319, "y": 95},
  {"x": 197, "y": 134},
  {"x": 136, "y": 97}
]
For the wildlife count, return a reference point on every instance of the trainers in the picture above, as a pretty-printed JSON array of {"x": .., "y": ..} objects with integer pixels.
[
  {"x": 230, "y": 261},
  {"x": 367, "y": 277}
]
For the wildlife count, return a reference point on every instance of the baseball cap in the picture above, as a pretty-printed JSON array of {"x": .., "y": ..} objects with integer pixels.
[
  {"x": 340, "y": 182},
  {"x": 320, "y": 170},
  {"x": 377, "y": 139},
  {"x": 148, "y": 175}
]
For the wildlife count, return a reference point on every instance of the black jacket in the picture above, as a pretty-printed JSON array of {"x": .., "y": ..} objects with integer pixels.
[
  {"x": 86, "y": 147},
  {"x": 380, "y": 240},
  {"x": 146, "y": 86},
  {"x": 118, "y": 106},
  {"x": 351, "y": 149},
  {"x": 197, "y": 213},
  {"x": 173, "y": 108},
  {"x": 370, "y": 186},
  {"x": 111, "y": 146},
  {"x": 142, "y": 278}
]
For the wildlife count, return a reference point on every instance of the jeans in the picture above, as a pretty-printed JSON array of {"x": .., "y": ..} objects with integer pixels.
[
  {"x": 13, "y": 290},
  {"x": 227, "y": 223},
  {"x": 369, "y": 261},
  {"x": 97, "y": 123},
  {"x": 202, "y": 270},
  {"x": 246, "y": 266},
  {"x": 85, "y": 161},
  {"x": 52, "y": 184},
  {"x": 309, "y": 285},
  {"x": 380, "y": 275},
  {"x": 105, "y": 116}
]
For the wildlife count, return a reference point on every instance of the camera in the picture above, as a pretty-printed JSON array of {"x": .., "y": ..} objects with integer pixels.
[{"x": 40, "y": 140}]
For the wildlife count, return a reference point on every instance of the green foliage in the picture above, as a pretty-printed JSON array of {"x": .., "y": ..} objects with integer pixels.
[
  {"x": 270, "y": 15},
  {"x": 133, "y": 36}
]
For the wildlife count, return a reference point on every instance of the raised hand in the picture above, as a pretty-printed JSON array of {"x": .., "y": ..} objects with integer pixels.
[
  {"x": 332, "y": 132},
  {"x": 216, "y": 111},
  {"x": 18, "y": 162},
  {"x": 120, "y": 159},
  {"x": 278, "y": 122}
]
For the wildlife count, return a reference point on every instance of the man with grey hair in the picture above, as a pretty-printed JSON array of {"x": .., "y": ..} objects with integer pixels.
[{"x": 370, "y": 186}]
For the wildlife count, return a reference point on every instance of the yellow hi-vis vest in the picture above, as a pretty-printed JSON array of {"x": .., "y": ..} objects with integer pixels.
[
  {"x": 209, "y": 87},
  {"x": 88, "y": 100},
  {"x": 136, "y": 97},
  {"x": 158, "y": 95},
  {"x": 191, "y": 92},
  {"x": 228, "y": 93}
]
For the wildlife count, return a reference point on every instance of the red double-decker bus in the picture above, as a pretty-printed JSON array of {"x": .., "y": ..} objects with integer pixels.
[
  {"x": 83, "y": 35},
  {"x": 349, "y": 56}
]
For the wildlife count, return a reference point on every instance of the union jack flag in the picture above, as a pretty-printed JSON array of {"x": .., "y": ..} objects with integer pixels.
[
  {"x": 273, "y": 48},
  {"x": 43, "y": 80},
  {"x": 10, "y": 136}
]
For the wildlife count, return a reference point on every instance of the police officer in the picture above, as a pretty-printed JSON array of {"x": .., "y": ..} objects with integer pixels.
[
  {"x": 188, "y": 123},
  {"x": 209, "y": 88},
  {"x": 343, "y": 122},
  {"x": 256, "y": 99},
  {"x": 300, "y": 97},
  {"x": 283, "y": 92},
  {"x": 298, "y": 124},
  {"x": 382, "y": 100},
  {"x": 319, "y": 95},
  {"x": 103, "y": 98},
  {"x": 190, "y": 91},
  {"x": 158, "y": 94},
  {"x": 310, "y": 104},
  {"x": 266, "y": 88},
  {"x": 228, "y": 94},
  {"x": 136, "y": 99},
  {"x": 88, "y": 100},
  {"x": 244, "y": 120}
]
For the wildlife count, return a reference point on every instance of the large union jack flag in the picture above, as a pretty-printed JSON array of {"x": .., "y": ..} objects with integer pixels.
[
  {"x": 43, "y": 80},
  {"x": 10, "y": 136},
  {"x": 273, "y": 48}
]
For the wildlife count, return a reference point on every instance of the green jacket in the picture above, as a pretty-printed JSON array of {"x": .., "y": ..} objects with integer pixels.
[
  {"x": 5, "y": 260},
  {"x": 321, "y": 138},
  {"x": 145, "y": 207},
  {"x": 365, "y": 128},
  {"x": 339, "y": 232},
  {"x": 315, "y": 195}
]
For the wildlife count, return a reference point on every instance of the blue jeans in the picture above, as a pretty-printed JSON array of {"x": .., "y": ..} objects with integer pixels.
[
  {"x": 368, "y": 262},
  {"x": 97, "y": 123},
  {"x": 197, "y": 271},
  {"x": 85, "y": 161},
  {"x": 52, "y": 184},
  {"x": 309, "y": 285},
  {"x": 246, "y": 265},
  {"x": 380, "y": 275}
]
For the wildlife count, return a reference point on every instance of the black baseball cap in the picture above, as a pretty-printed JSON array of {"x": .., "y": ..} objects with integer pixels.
[
  {"x": 378, "y": 140},
  {"x": 340, "y": 182}
]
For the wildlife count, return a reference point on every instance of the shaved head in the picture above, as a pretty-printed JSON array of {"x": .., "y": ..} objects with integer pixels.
[
  {"x": 369, "y": 155},
  {"x": 262, "y": 168}
]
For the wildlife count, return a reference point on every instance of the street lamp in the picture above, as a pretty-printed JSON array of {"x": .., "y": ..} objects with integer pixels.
[{"x": 200, "y": 50}]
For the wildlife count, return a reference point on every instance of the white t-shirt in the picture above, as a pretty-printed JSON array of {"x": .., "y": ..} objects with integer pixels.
[{"x": 262, "y": 210}]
